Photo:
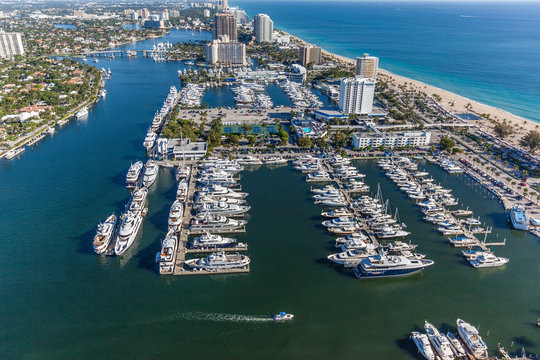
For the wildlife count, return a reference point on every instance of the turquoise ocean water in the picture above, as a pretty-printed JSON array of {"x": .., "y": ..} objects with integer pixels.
[{"x": 485, "y": 51}]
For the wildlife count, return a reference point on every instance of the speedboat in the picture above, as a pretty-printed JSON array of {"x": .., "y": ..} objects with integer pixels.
[
  {"x": 212, "y": 241},
  {"x": 472, "y": 339},
  {"x": 150, "y": 173},
  {"x": 104, "y": 234},
  {"x": 219, "y": 260},
  {"x": 283, "y": 316},
  {"x": 440, "y": 342},
  {"x": 133, "y": 174},
  {"x": 129, "y": 227},
  {"x": 423, "y": 345},
  {"x": 519, "y": 219},
  {"x": 384, "y": 266}
]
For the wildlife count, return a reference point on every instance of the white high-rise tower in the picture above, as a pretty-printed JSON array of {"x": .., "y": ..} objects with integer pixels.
[
  {"x": 356, "y": 95},
  {"x": 263, "y": 27}
]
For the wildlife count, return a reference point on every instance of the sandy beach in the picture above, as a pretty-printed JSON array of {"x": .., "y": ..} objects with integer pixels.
[{"x": 452, "y": 102}]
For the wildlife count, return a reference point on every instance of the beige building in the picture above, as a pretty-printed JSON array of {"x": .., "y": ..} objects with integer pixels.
[
  {"x": 225, "y": 24},
  {"x": 309, "y": 54},
  {"x": 225, "y": 52},
  {"x": 366, "y": 66}
]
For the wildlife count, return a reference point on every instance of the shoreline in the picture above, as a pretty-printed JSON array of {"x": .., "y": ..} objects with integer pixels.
[{"x": 451, "y": 102}]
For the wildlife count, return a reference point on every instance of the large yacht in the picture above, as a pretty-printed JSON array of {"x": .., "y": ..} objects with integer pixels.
[
  {"x": 175, "y": 215},
  {"x": 104, "y": 234},
  {"x": 440, "y": 342},
  {"x": 336, "y": 213},
  {"x": 472, "y": 339},
  {"x": 149, "y": 140},
  {"x": 459, "y": 351},
  {"x": 81, "y": 113},
  {"x": 129, "y": 227},
  {"x": 218, "y": 261},
  {"x": 183, "y": 172},
  {"x": 275, "y": 160},
  {"x": 150, "y": 173},
  {"x": 388, "y": 232},
  {"x": 249, "y": 160},
  {"x": 519, "y": 218},
  {"x": 217, "y": 190},
  {"x": 488, "y": 260},
  {"x": 215, "y": 223},
  {"x": 212, "y": 240},
  {"x": 340, "y": 221},
  {"x": 423, "y": 345},
  {"x": 351, "y": 257},
  {"x": 382, "y": 266},
  {"x": 167, "y": 254},
  {"x": 222, "y": 208},
  {"x": 133, "y": 174}
]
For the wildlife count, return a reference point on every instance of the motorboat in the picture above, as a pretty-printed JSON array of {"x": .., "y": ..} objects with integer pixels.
[
  {"x": 175, "y": 215},
  {"x": 440, "y": 342},
  {"x": 319, "y": 176},
  {"x": 472, "y": 339},
  {"x": 218, "y": 261},
  {"x": 215, "y": 223},
  {"x": 354, "y": 237},
  {"x": 150, "y": 173},
  {"x": 129, "y": 227},
  {"x": 183, "y": 172},
  {"x": 336, "y": 213},
  {"x": 458, "y": 349},
  {"x": 212, "y": 241},
  {"x": 462, "y": 213},
  {"x": 168, "y": 253},
  {"x": 472, "y": 254},
  {"x": 222, "y": 208},
  {"x": 384, "y": 266},
  {"x": 344, "y": 230},
  {"x": 422, "y": 343},
  {"x": 462, "y": 241},
  {"x": 351, "y": 257},
  {"x": 388, "y": 232},
  {"x": 324, "y": 190},
  {"x": 81, "y": 113},
  {"x": 249, "y": 160},
  {"x": 133, "y": 174},
  {"x": 149, "y": 140},
  {"x": 283, "y": 316},
  {"x": 218, "y": 190},
  {"x": 518, "y": 217},
  {"x": 275, "y": 160},
  {"x": 340, "y": 221},
  {"x": 104, "y": 235},
  {"x": 488, "y": 261}
]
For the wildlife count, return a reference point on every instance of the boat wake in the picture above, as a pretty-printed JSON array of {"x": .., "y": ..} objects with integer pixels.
[{"x": 200, "y": 316}]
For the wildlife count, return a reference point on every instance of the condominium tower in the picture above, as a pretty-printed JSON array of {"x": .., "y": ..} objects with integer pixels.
[
  {"x": 225, "y": 24},
  {"x": 309, "y": 54},
  {"x": 225, "y": 52},
  {"x": 263, "y": 27},
  {"x": 356, "y": 95},
  {"x": 10, "y": 45},
  {"x": 366, "y": 66}
]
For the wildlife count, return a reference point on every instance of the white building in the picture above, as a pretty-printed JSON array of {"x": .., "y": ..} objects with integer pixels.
[
  {"x": 225, "y": 52},
  {"x": 263, "y": 27},
  {"x": 391, "y": 140},
  {"x": 356, "y": 95},
  {"x": 10, "y": 45},
  {"x": 241, "y": 16}
]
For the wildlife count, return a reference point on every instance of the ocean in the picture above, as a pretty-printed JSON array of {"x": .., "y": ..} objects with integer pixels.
[{"x": 485, "y": 51}]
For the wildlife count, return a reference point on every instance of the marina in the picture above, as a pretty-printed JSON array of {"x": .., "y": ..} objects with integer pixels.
[{"x": 287, "y": 244}]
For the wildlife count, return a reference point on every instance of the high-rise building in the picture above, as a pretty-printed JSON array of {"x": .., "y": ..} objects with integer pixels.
[
  {"x": 366, "y": 66},
  {"x": 174, "y": 13},
  {"x": 309, "y": 54},
  {"x": 263, "y": 27},
  {"x": 164, "y": 15},
  {"x": 206, "y": 13},
  {"x": 223, "y": 5},
  {"x": 10, "y": 45},
  {"x": 145, "y": 14},
  {"x": 241, "y": 17},
  {"x": 225, "y": 24},
  {"x": 225, "y": 52},
  {"x": 356, "y": 95}
]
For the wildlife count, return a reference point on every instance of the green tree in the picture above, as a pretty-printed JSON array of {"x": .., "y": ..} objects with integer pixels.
[
  {"x": 503, "y": 129},
  {"x": 447, "y": 143},
  {"x": 531, "y": 140},
  {"x": 305, "y": 143}
]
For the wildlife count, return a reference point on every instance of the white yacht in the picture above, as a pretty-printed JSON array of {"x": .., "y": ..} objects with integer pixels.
[
  {"x": 14, "y": 152},
  {"x": 212, "y": 241},
  {"x": 215, "y": 223},
  {"x": 81, "y": 113},
  {"x": 222, "y": 208},
  {"x": 354, "y": 237},
  {"x": 218, "y": 261},
  {"x": 323, "y": 190},
  {"x": 129, "y": 227},
  {"x": 183, "y": 172},
  {"x": 488, "y": 260},
  {"x": 175, "y": 215},
  {"x": 518, "y": 217},
  {"x": 459, "y": 351},
  {"x": 344, "y": 230},
  {"x": 275, "y": 160},
  {"x": 472, "y": 339},
  {"x": 423, "y": 345},
  {"x": 340, "y": 221},
  {"x": 149, "y": 140},
  {"x": 182, "y": 190},
  {"x": 440, "y": 342},
  {"x": 168, "y": 253},
  {"x": 133, "y": 174},
  {"x": 388, "y": 232},
  {"x": 217, "y": 190},
  {"x": 336, "y": 213},
  {"x": 150, "y": 173},
  {"x": 105, "y": 232},
  {"x": 319, "y": 176},
  {"x": 249, "y": 160},
  {"x": 351, "y": 257},
  {"x": 384, "y": 266}
]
